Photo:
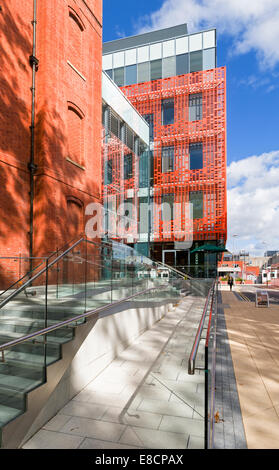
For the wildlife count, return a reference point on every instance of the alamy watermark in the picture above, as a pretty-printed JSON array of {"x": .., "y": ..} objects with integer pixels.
[{"x": 131, "y": 221}]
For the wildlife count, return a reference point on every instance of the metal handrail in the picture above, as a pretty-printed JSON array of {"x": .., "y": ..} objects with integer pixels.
[
  {"x": 206, "y": 371},
  {"x": 174, "y": 269},
  {"x": 45, "y": 258},
  {"x": 194, "y": 351},
  {"x": 49, "y": 329},
  {"x": 46, "y": 268}
]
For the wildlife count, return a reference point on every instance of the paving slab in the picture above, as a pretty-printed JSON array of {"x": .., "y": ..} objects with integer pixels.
[
  {"x": 144, "y": 398},
  {"x": 253, "y": 335}
]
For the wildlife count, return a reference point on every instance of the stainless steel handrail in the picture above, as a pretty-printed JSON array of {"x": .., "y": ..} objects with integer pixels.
[
  {"x": 171, "y": 268},
  {"x": 26, "y": 284},
  {"x": 49, "y": 329},
  {"x": 194, "y": 351}
]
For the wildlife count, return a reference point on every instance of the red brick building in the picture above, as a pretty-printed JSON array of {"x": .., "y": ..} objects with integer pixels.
[{"x": 46, "y": 181}]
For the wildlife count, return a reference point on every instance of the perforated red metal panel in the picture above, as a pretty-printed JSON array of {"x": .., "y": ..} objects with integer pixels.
[{"x": 210, "y": 131}]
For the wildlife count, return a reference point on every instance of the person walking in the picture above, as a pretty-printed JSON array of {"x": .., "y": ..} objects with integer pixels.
[{"x": 230, "y": 282}]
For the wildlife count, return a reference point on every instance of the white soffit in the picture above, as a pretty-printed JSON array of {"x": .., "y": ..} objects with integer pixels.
[{"x": 114, "y": 97}]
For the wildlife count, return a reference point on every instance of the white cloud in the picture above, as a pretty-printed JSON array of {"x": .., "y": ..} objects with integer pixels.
[
  {"x": 253, "y": 203},
  {"x": 252, "y": 23}
]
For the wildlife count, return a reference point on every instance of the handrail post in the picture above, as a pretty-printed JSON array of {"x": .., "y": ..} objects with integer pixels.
[
  {"x": 206, "y": 397},
  {"x": 85, "y": 276},
  {"x": 46, "y": 321}
]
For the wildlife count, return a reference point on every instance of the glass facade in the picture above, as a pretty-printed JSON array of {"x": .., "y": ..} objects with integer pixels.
[
  {"x": 167, "y": 159},
  {"x": 196, "y": 156},
  {"x": 131, "y": 75},
  {"x": 165, "y": 59},
  {"x": 195, "y": 107},
  {"x": 155, "y": 69},
  {"x": 128, "y": 166},
  {"x": 182, "y": 64},
  {"x": 196, "y": 198},
  {"x": 167, "y": 112}
]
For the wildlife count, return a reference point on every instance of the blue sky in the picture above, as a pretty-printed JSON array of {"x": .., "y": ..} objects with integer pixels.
[{"x": 248, "y": 40}]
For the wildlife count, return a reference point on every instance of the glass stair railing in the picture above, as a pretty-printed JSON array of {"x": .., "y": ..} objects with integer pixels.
[{"x": 40, "y": 313}]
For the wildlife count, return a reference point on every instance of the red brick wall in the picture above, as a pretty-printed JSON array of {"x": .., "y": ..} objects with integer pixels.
[{"x": 58, "y": 85}]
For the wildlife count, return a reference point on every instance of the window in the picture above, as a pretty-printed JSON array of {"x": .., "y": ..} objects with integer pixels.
[
  {"x": 143, "y": 72},
  {"x": 75, "y": 135},
  {"x": 118, "y": 76},
  {"x": 182, "y": 64},
  {"x": 195, "y": 61},
  {"x": 196, "y": 198},
  {"x": 156, "y": 69},
  {"x": 75, "y": 51},
  {"x": 109, "y": 72},
  {"x": 209, "y": 59},
  {"x": 196, "y": 156},
  {"x": 195, "y": 107},
  {"x": 131, "y": 75},
  {"x": 114, "y": 124},
  {"x": 167, "y": 112},
  {"x": 128, "y": 166},
  {"x": 150, "y": 120},
  {"x": 167, "y": 159},
  {"x": 167, "y": 201},
  {"x": 108, "y": 172},
  {"x": 129, "y": 138},
  {"x": 169, "y": 67}
]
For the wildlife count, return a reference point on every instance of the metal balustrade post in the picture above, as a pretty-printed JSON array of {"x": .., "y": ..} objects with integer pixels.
[
  {"x": 46, "y": 320},
  {"x": 206, "y": 397}
]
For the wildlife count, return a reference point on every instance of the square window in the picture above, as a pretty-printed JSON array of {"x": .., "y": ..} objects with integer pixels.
[
  {"x": 167, "y": 112},
  {"x": 167, "y": 159},
  {"x": 118, "y": 76},
  {"x": 109, "y": 72},
  {"x": 182, "y": 64},
  {"x": 156, "y": 69},
  {"x": 195, "y": 107},
  {"x": 196, "y": 198},
  {"x": 209, "y": 59},
  {"x": 195, "y": 61},
  {"x": 128, "y": 166},
  {"x": 150, "y": 120},
  {"x": 167, "y": 202},
  {"x": 169, "y": 67},
  {"x": 196, "y": 156},
  {"x": 143, "y": 72},
  {"x": 131, "y": 75},
  {"x": 108, "y": 172}
]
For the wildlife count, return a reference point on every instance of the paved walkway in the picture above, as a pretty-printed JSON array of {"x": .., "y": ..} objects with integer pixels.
[
  {"x": 254, "y": 342},
  {"x": 143, "y": 399}
]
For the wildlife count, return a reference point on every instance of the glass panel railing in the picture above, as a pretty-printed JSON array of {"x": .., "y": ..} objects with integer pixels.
[
  {"x": 25, "y": 273},
  {"x": 87, "y": 276}
]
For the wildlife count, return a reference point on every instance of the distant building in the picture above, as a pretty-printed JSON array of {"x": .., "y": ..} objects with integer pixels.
[{"x": 271, "y": 253}]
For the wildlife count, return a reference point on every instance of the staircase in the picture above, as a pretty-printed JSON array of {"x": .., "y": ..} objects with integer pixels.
[{"x": 39, "y": 317}]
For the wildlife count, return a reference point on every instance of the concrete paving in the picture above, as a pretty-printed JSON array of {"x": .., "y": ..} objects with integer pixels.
[
  {"x": 143, "y": 399},
  {"x": 254, "y": 342}
]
